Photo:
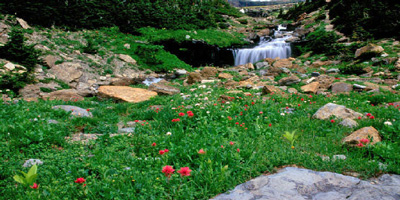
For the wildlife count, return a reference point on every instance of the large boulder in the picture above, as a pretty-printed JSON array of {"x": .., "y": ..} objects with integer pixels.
[
  {"x": 363, "y": 133},
  {"x": 194, "y": 77},
  {"x": 64, "y": 95},
  {"x": 289, "y": 80},
  {"x": 283, "y": 63},
  {"x": 369, "y": 51},
  {"x": 127, "y": 58},
  {"x": 125, "y": 93},
  {"x": 339, "y": 111},
  {"x": 208, "y": 72},
  {"x": 67, "y": 72}
]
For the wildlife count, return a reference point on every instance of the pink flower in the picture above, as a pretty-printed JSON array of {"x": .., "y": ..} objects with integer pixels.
[
  {"x": 261, "y": 112},
  {"x": 364, "y": 141},
  {"x": 184, "y": 171},
  {"x": 332, "y": 121},
  {"x": 154, "y": 144},
  {"x": 360, "y": 145},
  {"x": 35, "y": 186},
  {"x": 166, "y": 150},
  {"x": 190, "y": 113},
  {"x": 201, "y": 151},
  {"x": 372, "y": 117},
  {"x": 231, "y": 143},
  {"x": 369, "y": 114},
  {"x": 238, "y": 150},
  {"x": 161, "y": 152},
  {"x": 80, "y": 180},
  {"x": 168, "y": 171},
  {"x": 222, "y": 146}
]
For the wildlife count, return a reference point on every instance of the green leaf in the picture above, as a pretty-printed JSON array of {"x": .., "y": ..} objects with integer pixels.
[
  {"x": 19, "y": 179},
  {"x": 23, "y": 173},
  {"x": 31, "y": 179},
  {"x": 32, "y": 171}
]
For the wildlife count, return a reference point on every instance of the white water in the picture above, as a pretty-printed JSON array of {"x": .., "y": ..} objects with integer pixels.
[{"x": 265, "y": 49}]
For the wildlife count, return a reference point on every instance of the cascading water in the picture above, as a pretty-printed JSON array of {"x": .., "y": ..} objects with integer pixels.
[{"x": 266, "y": 48}]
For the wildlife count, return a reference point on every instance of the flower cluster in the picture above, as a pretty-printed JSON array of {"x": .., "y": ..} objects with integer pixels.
[{"x": 169, "y": 170}]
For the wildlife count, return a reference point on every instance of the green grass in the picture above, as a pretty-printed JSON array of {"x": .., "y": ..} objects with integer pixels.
[{"x": 129, "y": 167}]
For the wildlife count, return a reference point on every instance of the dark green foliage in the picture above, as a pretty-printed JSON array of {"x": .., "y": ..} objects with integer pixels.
[
  {"x": 129, "y": 15},
  {"x": 321, "y": 41},
  {"x": 365, "y": 18},
  {"x": 90, "y": 47},
  {"x": 300, "y": 8},
  {"x": 16, "y": 51},
  {"x": 352, "y": 69}
]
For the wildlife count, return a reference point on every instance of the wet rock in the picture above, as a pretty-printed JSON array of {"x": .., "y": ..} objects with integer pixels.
[
  {"x": 359, "y": 87},
  {"x": 333, "y": 70},
  {"x": 315, "y": 74},
  {"x": 125, "y": 93},
  {"x": 363, "y": 133},
  {"x": 339, "y": 111},
  {"x": 341, "y": 87},
  {"x": 262, "y": 65},
  {"x": 75, "y": 110}
]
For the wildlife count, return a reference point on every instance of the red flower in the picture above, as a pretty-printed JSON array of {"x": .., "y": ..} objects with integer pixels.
[
  {"x": 364, "y": 141},
  {"x": 261, "y": 112},
  {"x": 372, "y": 117},
  {"x": 238, "y": 150},
  {"x": 35, "y": 186},
  {"x": 369, "y": 114},
  {"x": 168, "y": 171},
  {"x": 201, "y": 151},
  {"x": 332, "y": 121},
  {"x": 154, "y": 144},
  {"x": 302, "y": 99},
  {"x": 298, "y": 105},
  {"x": 360, "y": 145},
  {"x": 166, "y": 150},
  {"x": 88, "y": 109},
  {"x": 359, "y": 117},
  {"x": 231, "y": 143},
  {"x": 222, "y": 146},
  {"x": 269, "y": 125},
  {"x": 190, "y": 113},
  {"x": 184, "y": 171},
  {"x": 237, "y": 123},
  {"x": 161, "y": 152},
  {"x": 181, "y": 114},
  {"x": 176, "y": 120},
  {"x": 80, "y": 180}
]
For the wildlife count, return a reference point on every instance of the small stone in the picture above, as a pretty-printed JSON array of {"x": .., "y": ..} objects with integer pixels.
[
  {"x": 334, "y": 70},
  {"x": 126, "y": 130},
  {"x": 9, "y": 66},
  {"x": 349, "y": 123},
  {"x": 315, "y": 74},
  {"x": 341, "y": 87},
  {"x": 127, "y": 58}
]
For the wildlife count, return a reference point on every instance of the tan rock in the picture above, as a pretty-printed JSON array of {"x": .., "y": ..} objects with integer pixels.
[
  {"x": 293, "y": 79},
  {"x": 64, "y": 95},
  {"x": 341, "y": 87},
  {"x": 23, "y": 23},
  {"x": 325, "y": 81},
  {"x": 283, "y": 63},
  {"x": 125, "y": 93},
  {"x": 268, "y": 89},
  {"x": 225, "y": 76},
  {"x": 249, "y": 66},
  {"x": 67, "y": 72},
  {"x": 318, "y": 63},
  {"x": 264, "y": 32},
  {"x": 208, "y": 72},
  {"x": 127, "y": 58},
  {"x": 370, "y": 50},
  {"x": 292, "y": 90},
  {"x": 164, "y": 88},
  {"x": 194, "y": 77},
  {"x": 230, "y": 84},
  {"x": 363, "y": 133},
  {"x": 310, "y": 88},
  {"x": 338, "y": 111}
]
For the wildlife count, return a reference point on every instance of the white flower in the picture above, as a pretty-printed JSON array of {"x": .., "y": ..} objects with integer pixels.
[
  {"x": 208, "y": 112},
  {"x": 227, "y": 102},
  {"x": 168, "y": 133},
  {"x": 205, "y": 98},
  {"x": 388, "y": 123},
  {"x": 193, "y": 89},
  {"x": 197, "y": 104},
  {"x": 283, "y": 114}
]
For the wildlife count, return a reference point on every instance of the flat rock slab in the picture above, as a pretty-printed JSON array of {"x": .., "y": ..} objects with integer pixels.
[
  {"x": 300, "y": 184},
  {"x": 338, "y": 111},
  {"x": 75, "y": 110},
  {"x": 125, "y": 93}
]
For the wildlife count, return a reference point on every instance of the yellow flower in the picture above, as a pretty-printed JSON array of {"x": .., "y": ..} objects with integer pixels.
[{"x": 292, "y": 147}]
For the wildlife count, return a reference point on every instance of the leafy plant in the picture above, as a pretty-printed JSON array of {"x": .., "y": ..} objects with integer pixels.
[
  {"x": 291, "y": 137},
  {"x": 27, "y": 179}
]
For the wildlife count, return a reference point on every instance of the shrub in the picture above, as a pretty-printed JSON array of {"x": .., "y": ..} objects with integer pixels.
[
  {"x": 321, "y": 41},
  {"x": 352, "y": 69},
  {"x": 16, "y": 51}
]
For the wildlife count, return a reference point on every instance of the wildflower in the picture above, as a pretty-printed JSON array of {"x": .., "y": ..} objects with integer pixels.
[
  {"x": 166, "y": 150},
  {"x": 237, "y": 123},
  {"x": 269, "y": 125},
  {"x": 181, "y": 114},
  {"x": 161, "y": 152},
  {"x": 80, "y": 180},
  {"x": 176, "y": 120},
  {"x": 168, "y": 171},
  {"x": 369, "y": 114},
  {"x": 222, "y": 146},
  {"x": 261, "y": 112},
  {"x": 359, "y": 117},
  {"x": 292, "y": 147},
  {"x": 229, "y": 118},
  {"x": 190, "y": 113},
  {"x": 88, "y": 109},
  {"x": 388, "y": 123},
  {"x": 372, "y": 117},
  {"x": 298, "y": 105},
  {"x": 231, "y": 143},
  {"x": 154, "y": 144},
  {"x": 184, "y": 171},
  {"x": 168, "y": 133},
  {"x": 35, "y": 186},
  {"x": 201, "y": 151},
  {"x": 238, "y": 150},
  {"x": 364, "y": 141},
  {"x": 360, "y": 144},
  {"x": 332, "y": 121}
]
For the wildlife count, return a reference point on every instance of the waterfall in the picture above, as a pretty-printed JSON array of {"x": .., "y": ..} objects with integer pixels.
[{"x": 266, "y": 48}]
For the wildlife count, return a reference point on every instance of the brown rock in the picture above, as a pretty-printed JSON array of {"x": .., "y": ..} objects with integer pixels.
[
  {"x": 194, "y": 77},
  {"x": 268, "y": 89},
  {"x": 164, "y": 88},
  {"x": 368, "y": 51},
  {"x": 64, "y": 95},
  {"x": 341, "y": 87},
  {"x": 125, "y": 93},
  {"x": 270, "y": 60},
  {"x": 67, "y": 72},
  {"x": 127, "y": 58},
  {"x": 318, "y": 63},
  {"x": 122, "y": 81},
  {"x": 50, "y": 60},
  {"x": 289, "y": 80},
  {"x": 283, "y": 63},
  {"x": 363, "y": 133},
  {"x": 292, "y": 90},
  {"x": 249, "y": 66},
  {"x": 208, "y": 72},
  {"x": 264, "y": 32},
  {"x": 310, "y": 88},
  {"x": 230, "y": 84},
  {"x": 325, "y": 81},
  {"x": 225, "y": 76}
]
